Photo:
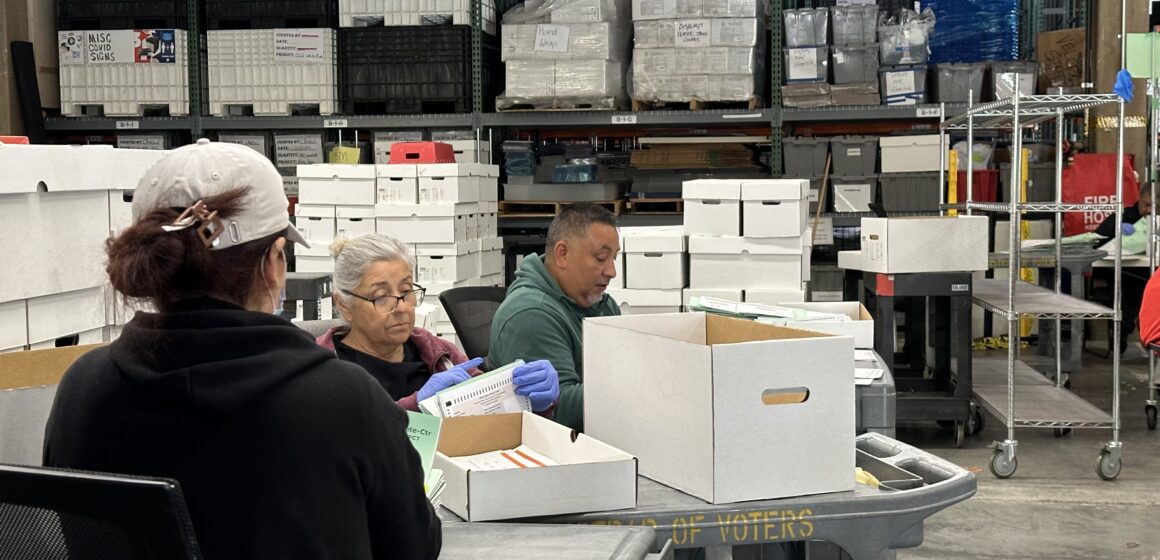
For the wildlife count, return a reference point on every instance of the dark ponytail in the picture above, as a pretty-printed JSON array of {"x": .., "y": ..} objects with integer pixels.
[{"x": 147, "y": 262}]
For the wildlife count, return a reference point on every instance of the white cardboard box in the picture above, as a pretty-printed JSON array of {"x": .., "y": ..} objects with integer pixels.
[
  {"x": 774, "y": 297},
  {"x": 488, "y": 189},
  {"x": 53, "y": 242},
  {"x": 440, "y": 190},
  {"x": 65, "y": 314},
  {"x": 452, "y": 262},
  {"x": 640, "y": 302},
  {"x": 317, "y": 224},
  {"x": 738, "y": 263},
  {"x": 900, "y": 245},
  {"x": 424, "y": 223},
  {"x": 13, "y": 324},
  {"x": 861, "y": 325},
  {"x": 396, "y": 184},
  {"x": 902, "y": 154},
  {"x": 654, "y": 259},
  {"x": 688, "y": 294},
  {"x": 354, "y": 221},
  {"x": 774, "y": 207},
  {"x": 309, "y": 263},
  {"x": 338, "y": 184},
  {"x": 590, "y": 475},
  {"x": 851, "y": 260},
  {"x": 712, "y": 206},
  {"x": 706, "y": 428}
]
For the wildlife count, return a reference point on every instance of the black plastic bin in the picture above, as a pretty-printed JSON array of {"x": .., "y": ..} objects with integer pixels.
[
  {"x": 108, "y": 15},
  {"x": 413, "y": 70},
  {"x": 270, "y": 14}
]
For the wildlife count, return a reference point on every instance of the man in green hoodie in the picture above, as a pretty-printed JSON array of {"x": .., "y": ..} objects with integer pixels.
[{"x": 540, "y": 319}]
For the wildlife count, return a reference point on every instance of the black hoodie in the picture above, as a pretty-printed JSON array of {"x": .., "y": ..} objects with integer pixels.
[{"x": 282, "y": 450}]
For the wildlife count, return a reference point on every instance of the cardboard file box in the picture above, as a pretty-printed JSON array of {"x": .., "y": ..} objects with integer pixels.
[
  {"x": 860, "y": 326},
  {"x": 724, "y": 409},
  {"x": 654, "y": 260},
  {"x": 338, "y": 184},
  {"x": 774, "y": 297},
  {"x": 900, "y": 245},
  {"x": 396, "y": 184},
  {"x": 590, "y": 476},
  {"x": 424, "y": 223},
  {"x": 712, "y": 207},
  {"x": 775, "y": 263},
  {"x": 640, "y": 302},
  {"x": 353, "y": 221},
  {"x": 774, "y": 207},
  {"x": 317, "y": 224}
]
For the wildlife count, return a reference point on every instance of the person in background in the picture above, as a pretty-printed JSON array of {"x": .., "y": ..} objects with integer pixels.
[
  {"x": 376, "y": 293},
  {"x": 1134, "y": 278},
  {"x": 281, "y": 449},
  {"x": 540, "y": 319}
]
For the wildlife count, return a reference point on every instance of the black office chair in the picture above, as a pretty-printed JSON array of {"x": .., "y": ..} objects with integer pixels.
[
  {"x": 470, "y": 310},
  {"x": 59, "y": 514}
]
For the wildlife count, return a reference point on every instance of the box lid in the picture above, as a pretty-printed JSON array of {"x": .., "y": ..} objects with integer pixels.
[
  {"x": 712, "y": 189},
  {"x": 707, "y": 245},
  {"x": 316, "y": 210},
  {"x": 397, "y": 170},
  {"x": 653, "y": 241},
  {"x": 443, "y": 249},
  {"x": 336, "y": 171},
  {"x": 647, "y": 298},
  {"x": 908, "y": 141},
  {"x": 354, "y": 211},
  {"x": 451, "y": 170},
  {"x": 491, "y": 244},
  {"x": 775, "y": 189},
  {"x": 423, "y": 210}
]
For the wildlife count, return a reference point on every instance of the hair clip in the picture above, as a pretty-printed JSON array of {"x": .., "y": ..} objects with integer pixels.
[{"x": 209, "y": 226}]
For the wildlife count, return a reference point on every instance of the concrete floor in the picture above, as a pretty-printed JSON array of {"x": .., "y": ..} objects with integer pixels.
[{"x": 1054, "y": 506}]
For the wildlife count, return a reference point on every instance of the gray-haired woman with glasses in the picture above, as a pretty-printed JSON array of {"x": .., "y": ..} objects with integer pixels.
[{"x": 375, "y": 290}]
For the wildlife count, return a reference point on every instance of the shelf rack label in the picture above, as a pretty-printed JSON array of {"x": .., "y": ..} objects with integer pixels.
[
  {"x": 924, "y": 112},
  {"x": 335, "y": 123},
  {"x": 128, "y": 125},
  {"x": 623, "y": 119}
]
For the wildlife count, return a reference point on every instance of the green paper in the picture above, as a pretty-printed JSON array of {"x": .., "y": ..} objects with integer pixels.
[
  {"x": 423, "y": 431},
  {"x": 1143, "y": 50}
]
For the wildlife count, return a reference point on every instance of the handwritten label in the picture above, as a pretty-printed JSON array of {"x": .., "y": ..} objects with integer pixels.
[
  {"x": 298, "y": 45},
  {"x": 128, "y": 125},
  {"x": 803, "y": 64},
  {"x": 693, "y": 33},
  {"x": 297, "y": 149},
  {"x": 925, "y": 112},
  {"x": 552, "y": 38},
  {"x": 623, "y": 119},
  {"x": 335, "y": 123},
  {"x": 108, "y": 47},
  {"x": 823, "y": 233},
  {"x": 899, "y": 83}
]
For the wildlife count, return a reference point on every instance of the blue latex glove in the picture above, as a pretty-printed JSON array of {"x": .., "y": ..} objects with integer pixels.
[
  {"x": 1123, "y": 87},
  {"x": 449, "y": 378},
  {"x": 537, "y": 381},
  {"x": 1127, "y": 229}
]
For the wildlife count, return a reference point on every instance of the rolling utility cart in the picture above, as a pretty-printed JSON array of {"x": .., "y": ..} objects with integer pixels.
[
  {"x": 1012, "y": 391},
  {"x": 515, "y": 541},
  {"x": 866, "y": 522}
]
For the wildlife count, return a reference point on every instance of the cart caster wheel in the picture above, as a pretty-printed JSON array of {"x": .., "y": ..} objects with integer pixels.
[
  {"x": 1001, "y": 467},
  {"x": 975, "y": 423},
  {"x": 1106, "y": 467},
  {"x": 960, "y": 434},
  {"x": 1150, "y": 413},
  {"x": 945, "y": 423},
  {"x": 1067, "y": 383},
  {"x": 1060, "y": 432}
]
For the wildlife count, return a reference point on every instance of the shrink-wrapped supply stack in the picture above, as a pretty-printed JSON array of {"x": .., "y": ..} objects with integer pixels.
[
  {"x": 404, "y": 13},
  {"x": 904, "y": 49},
  {"x": 565, "y": 54},
  {"x": 698, "y": 50}
]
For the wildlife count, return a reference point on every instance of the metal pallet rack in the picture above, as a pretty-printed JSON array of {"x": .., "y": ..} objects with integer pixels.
[{"x": 1042, "y": 404}]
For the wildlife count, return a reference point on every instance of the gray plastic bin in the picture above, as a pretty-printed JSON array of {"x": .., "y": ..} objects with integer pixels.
[
  {"x": 804, "y": 156},
  {"x": 854, "y": 25},
  {"x": 806, "y": 64},
  {"x": 807, "y": 27},
  {"x": 853, "y": 193},
  {"x": 954, "y": 82},
  {"x": 875, "y": 404},
  {"x": 854, "y": 155},
  {"x": 1003, "y": 77},
  {"x": 909, "y": 192},
  {"x": 854, "y": 64},
  {"x": 902, "y": 85},
  {"x": 1041, "y": 185},
  {"x": 815, "y": 194}
]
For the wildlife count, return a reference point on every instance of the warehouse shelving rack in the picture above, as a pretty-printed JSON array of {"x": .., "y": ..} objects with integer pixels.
[{"x": 1041, "y": 404}]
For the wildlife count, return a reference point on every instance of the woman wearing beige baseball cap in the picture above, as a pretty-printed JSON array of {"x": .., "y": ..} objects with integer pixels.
[{"x": 282, "y": 450}]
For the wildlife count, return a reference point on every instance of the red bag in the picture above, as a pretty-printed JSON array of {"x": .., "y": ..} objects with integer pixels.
[{"x": 1091, "y": 179}]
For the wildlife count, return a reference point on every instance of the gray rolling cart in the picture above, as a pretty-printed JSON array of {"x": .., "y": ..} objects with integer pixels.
[
  {"x": 867, "y": 523},
  {"x": 468, "y": 541},
  {"x": 874, "y": 404}
]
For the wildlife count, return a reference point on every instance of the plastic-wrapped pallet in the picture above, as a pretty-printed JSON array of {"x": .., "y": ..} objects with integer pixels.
[
  {"x": 563, "y": 54},
  {"x": 714, "y": 55},
  {"x": 906, "y": 40},
  {"x": 272, "y": 70},
  {"x": 128, "y": 72},
  {"x": 974, "y": 30},
  {"x": 807, "y": 27}
]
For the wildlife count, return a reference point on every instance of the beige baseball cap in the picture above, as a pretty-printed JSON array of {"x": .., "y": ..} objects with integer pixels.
[{"x": 205, "y": 169}]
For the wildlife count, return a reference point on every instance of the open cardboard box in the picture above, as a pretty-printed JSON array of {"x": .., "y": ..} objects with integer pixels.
[
  {"x": 590, "y": 475},
  {"x": 724, "y": 409},
  {"x": 861, "y": 325},
  {"x": 28, "y": 383}
]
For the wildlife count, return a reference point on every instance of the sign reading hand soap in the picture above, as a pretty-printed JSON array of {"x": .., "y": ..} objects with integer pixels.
[{"x": 552, "y": 38}]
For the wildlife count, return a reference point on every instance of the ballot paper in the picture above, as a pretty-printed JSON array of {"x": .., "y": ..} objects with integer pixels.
[
  {"x": 866, "y": 376},
  {"x": 434, "y": 486},
  {"x": 522, "y": 457},
  {"x": 490, "y": 393},
  {"x": 771, "y": 314},
  {"x": 865, "y": 356}
]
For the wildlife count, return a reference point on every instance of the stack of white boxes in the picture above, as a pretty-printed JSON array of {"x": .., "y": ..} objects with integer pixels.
[
  {"x": 572, "y": 50},
  {"x": 363, "y": 13},
  {"x": 748, "y": 239},
  {"x": 708, "y": 50},
  {"x": 272, "y": 70},
  {"x": 466, "y": 150},
  {"x": 653, "y": 270},
  {"x": 58, "y": 204},
  {"x": 123, "y": 72}
]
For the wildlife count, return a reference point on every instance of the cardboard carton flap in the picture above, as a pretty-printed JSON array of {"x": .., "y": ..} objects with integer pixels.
[
  {"x": 561, "y": 445},
  {"x": 35, "y": 368},
  {"x": 728, "y": 330},
  {"x": 472, "y": 435},
  {"x": 687, "y": 327}
]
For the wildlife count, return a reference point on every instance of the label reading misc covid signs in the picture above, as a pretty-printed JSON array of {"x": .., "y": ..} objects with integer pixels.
[
  {"x": 297, "y": 149},
  {"x": 552, "y": 38},
  {"x": 693, "y": 33},
  {"x": 128, "y": 46},
  {"x": 298, "y": 45}
]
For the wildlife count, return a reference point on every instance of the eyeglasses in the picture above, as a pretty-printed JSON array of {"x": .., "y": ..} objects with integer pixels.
[{"x": 388, "y": 303}]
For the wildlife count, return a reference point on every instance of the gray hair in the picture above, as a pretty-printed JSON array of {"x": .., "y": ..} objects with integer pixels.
[{"x": 352, "y": 258}]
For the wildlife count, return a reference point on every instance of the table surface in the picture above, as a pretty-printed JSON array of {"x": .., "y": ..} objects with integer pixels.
[{"x": 518, "y": 541}]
